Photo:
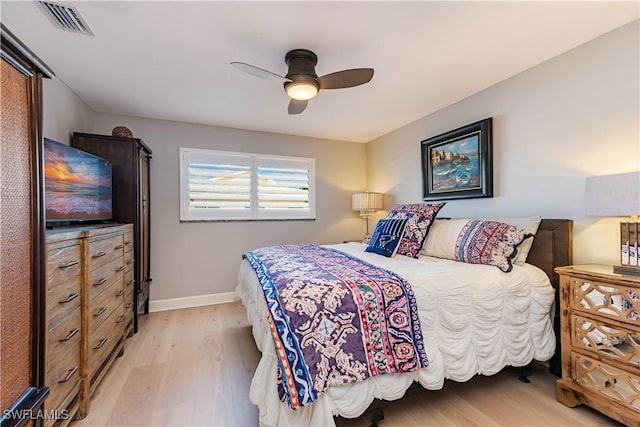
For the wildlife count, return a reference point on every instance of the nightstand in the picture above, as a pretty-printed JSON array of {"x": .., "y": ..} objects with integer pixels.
[{"x": 600, "y": 335}]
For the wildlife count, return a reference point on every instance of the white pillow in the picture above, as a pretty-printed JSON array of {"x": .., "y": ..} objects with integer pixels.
[{"x": 441, "y": 240}]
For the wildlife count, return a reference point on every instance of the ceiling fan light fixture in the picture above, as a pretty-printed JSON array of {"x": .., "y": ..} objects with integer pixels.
[{"x": 301, "y": 91}]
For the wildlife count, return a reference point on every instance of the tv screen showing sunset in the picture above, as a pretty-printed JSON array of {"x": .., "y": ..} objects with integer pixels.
[{"x": 77, "y": 184}]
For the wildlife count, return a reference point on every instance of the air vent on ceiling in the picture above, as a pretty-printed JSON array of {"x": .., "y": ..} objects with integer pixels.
[{"x": 65, "y": 17}]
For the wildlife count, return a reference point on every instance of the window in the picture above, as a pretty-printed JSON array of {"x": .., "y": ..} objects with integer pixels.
[{"x": 220, "y": 185}]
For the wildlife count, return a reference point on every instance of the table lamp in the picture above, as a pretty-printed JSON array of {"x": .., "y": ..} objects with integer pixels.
[
  {"x": 367, "y": 203},
  {"x": 619, "y": 195}
]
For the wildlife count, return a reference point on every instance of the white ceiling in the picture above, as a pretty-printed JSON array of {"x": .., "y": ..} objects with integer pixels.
[{"x": 170, "y": 60}]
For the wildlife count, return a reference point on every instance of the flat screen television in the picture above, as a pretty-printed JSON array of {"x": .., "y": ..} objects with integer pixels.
[{"x": 78, "y": 185}]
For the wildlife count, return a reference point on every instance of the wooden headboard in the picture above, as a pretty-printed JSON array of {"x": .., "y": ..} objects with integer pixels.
[{"x": 552, "y": 247}]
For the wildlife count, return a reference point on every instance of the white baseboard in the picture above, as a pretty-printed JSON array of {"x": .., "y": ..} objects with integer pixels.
[{"x": 195, "y": 301}]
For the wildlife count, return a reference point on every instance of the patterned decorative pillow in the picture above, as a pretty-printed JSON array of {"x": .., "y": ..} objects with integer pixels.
[
  {"x": 386, "y": 237},
  {"x": 444, "y": 232},
  {"x": 420, "y": 216},
  {"x": 489, "y": 242},
  {"x": 529, "y": 224}
]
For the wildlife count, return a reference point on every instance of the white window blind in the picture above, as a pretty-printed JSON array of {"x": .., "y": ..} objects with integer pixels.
[{"x": 218, "y": 185}]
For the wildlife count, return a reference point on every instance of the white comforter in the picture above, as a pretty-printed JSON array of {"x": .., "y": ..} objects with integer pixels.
[{"x": 475, "y": 320}]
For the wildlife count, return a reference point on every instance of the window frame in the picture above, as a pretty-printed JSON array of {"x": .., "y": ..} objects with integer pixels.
[{"x": 253, "y": 161}]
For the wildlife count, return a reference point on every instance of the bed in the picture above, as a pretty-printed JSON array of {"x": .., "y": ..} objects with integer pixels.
[{"x": 502, "y": 320}]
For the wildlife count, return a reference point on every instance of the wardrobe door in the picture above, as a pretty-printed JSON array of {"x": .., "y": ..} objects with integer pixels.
[
  {"x": 21, "y": 235},
  {"x": 15, "y": 237}
]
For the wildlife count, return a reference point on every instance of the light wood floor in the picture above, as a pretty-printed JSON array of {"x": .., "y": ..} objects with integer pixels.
[{"x": 194, "y": 367}]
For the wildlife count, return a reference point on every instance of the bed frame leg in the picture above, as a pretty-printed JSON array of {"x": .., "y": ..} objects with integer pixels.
[
  {"x": 524, "y": 373},
  {"x": 377, "y": 415}
]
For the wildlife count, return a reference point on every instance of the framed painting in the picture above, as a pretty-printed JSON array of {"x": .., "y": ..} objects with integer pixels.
[{"x": 458, "y": 164}]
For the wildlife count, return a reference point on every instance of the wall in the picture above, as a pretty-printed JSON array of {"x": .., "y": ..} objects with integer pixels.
[
  {"x": 191, "y": 259},
  {"x": 64, "y": 112},
  {"x": 574, "y": 116}
]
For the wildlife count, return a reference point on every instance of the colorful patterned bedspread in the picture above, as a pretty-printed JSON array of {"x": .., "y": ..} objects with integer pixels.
[{"x": 335, "y": 319}]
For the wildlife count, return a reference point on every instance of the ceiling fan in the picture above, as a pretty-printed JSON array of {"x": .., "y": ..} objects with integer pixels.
[{"x": 302, "y": 83}]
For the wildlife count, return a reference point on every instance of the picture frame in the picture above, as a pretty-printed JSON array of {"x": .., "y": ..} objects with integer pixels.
[{"x": 458, "y": 164}]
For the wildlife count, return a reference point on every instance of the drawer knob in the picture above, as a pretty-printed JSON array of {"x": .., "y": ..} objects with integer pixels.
[
  {"x": 131, "y": 282},
  {"x": 100, "y": 311},
  {"x": 132, "y": 260},
  {"x": 119, "y": 269},
  {"x": 120, "y": 293},
  {"x": 128, "y": 242},
  {"x": 68, "y": 264},
  {"x": 101, "y": 343},
  {"x": 120, "y": 319},
  {"x": 119, "y": 246},
  {"x": 128, "y": 305},
  {"x": 69, "y": 375},
  {"x": 70, "y": 335},
  {"x": 69, "y": 298},
  {"x": 99, "y": 254},
  {"x": 100, "y": 282}
]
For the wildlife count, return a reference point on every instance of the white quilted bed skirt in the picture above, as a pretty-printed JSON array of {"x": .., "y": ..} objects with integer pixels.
[{"x": 475, "y": 319}]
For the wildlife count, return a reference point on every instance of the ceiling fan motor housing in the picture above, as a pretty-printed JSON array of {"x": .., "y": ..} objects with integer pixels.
[{"x": 301, "y": 62}]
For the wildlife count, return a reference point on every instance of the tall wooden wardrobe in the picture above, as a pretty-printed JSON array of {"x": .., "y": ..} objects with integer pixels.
[
  {"x": 130, "y": 165},
  {"x": 22, "y": 293}
]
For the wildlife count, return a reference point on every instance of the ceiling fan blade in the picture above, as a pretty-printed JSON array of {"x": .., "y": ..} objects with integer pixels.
[
  {"x": 346, "y": 78},
  {"x": 259, "y": 72},
  {"x": 296, "y": 106}
]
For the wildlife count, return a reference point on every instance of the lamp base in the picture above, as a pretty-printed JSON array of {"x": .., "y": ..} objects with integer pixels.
[{"x": 628, "y": 270}]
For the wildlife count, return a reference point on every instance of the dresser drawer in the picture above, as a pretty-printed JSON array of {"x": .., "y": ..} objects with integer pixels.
[
  {"x": 614, "y": 301},
  {"x": 128, "y": 241},
  {"x": 104, "y": 251},
  {"x": 607, "y": 381},
  {"x": 129, "y": 261},
  {"x": 101, "y": 307},
  {"x": 613, "y": 342},
  {"x": 63, "y": 379},
  {"x": 103, "y": 277},
  {"x": 103, "y": 340},
  {"x": 63, "y": 336},
  {"x": 129, "y": 281},
  {"x": 63, "y": 264},
  {"x": 128, "y": 306},
  {"x": 61, "y": 301}
]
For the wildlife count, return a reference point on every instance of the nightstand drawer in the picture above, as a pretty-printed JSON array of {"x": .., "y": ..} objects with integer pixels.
[
  {"x": 614, "y": 301},
  {"x": 607, "y": 381},
  {"x": 615, "y": 343}
]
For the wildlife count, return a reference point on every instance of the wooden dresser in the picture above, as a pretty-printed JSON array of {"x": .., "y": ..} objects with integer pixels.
[
  {"x": 86, "y": 268},
  {"x": 600, "y": 333}
]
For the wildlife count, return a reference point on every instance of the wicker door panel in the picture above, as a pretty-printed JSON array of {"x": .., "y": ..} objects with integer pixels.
[{"x": 15, "y": 237}]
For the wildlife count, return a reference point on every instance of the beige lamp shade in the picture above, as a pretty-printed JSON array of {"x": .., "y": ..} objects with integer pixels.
[
  {"x": 366, "y": 202},
  {"x": 613, "y": 195}
]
